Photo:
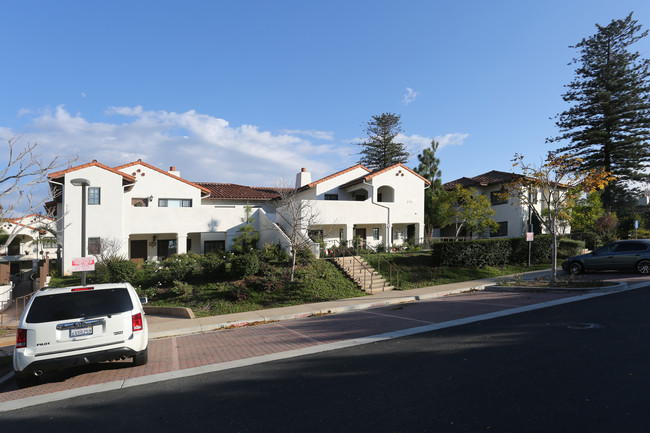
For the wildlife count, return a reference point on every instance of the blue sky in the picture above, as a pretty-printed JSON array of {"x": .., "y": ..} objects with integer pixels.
[{"x": 251, "y": 91}]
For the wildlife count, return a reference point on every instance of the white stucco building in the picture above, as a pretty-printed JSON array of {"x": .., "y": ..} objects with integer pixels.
[
  {"x": 145, "y": 213},
  {"x": 33, "y": 241},
  {"x": 513, "y": 217}
]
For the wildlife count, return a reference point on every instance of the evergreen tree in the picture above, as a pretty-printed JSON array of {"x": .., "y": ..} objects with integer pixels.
[
  {"x": 608, "y": 124},
  {"x": 247, "y": 236},
  {"x": 380, "y": 151},
  {"x": 437, "y": 210}
]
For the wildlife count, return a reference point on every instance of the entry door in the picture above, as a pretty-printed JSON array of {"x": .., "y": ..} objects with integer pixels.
[
  {"x": 139, "y": 249},
  {"x": 362, "y": 234},
  {"x": 166, "y": 248}
]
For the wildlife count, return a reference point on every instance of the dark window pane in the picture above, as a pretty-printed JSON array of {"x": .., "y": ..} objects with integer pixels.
[{"x": 77, "y": 305}]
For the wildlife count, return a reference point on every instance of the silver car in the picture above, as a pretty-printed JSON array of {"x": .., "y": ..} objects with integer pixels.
[{"x": 629, "y": 255}]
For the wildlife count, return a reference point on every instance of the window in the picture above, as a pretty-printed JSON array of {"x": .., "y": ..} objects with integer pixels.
[
  {"x": 630, "y": 246},
  {"x": 498, "y": 197},
  {"x": 210, "y": 246},
  {"x": 140, "y": 202},
  {"x": 375, "y": 234},
  {"x": 502, "y": 231},
  {"x": 331, "y": 196},
  {"x": 166, "y": 248},
  {"x": 94, "y": 246},
  {"x": 341, "y": 232},
  {"x": 94, "y": 195},
  {"x": 174, "y": 202},
  {"x": 68, "y": 306}
]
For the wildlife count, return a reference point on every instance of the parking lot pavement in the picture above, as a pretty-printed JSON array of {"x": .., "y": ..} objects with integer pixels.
[{"x": 171, "y": 357}]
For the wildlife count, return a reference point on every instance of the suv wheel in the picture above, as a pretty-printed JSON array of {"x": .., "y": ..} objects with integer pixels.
[
  {"x": 26, "y": 380},
  {"x": 141, "y": 358}
]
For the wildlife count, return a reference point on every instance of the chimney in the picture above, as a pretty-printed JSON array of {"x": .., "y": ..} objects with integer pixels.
[
  {"x": 303, "y": 178},
  {"x": 173, "y": 172}
]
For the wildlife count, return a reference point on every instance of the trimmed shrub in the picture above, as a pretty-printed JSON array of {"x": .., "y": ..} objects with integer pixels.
[
  {"x": 491, "y": 252},
  {"x": 473, "y": 254},
  {"x": 569, "y": 247},
  {"x": 245, "y": 265},
  {"x": 116, "y": 270}
]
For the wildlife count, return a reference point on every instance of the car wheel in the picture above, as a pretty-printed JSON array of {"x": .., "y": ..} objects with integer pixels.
[
  {"x": 643, "y": 266},
  {"x": 25, "y": 380},
  {"x": 576, "y": 268},
  {"x": 141, "y": 358}
]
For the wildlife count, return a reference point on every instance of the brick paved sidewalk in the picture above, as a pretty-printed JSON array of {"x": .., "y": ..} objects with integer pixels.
[{"x": 176, "y": 354}]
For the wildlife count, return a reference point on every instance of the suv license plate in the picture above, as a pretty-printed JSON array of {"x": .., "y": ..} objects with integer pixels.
[{"x": 78, "y": 332}]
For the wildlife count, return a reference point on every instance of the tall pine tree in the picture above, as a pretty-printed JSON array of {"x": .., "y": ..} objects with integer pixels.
[
  {"x": 608, "y": 124},
  {"x": 379, "y": 150},
  {"x": 437, "y": 210}
]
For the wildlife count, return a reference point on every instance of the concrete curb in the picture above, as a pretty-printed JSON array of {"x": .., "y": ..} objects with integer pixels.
[
  {"x": 206, "y": 325},
  {"x": 615, "y": 287}
]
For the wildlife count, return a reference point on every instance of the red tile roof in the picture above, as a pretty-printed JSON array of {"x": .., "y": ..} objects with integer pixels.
[
  {"x": 347, "y": 170},
  {"x": 370, "y": 175},
  {"x": 230, "y": 191},
  {"x": 493, "y": 177},
  {"x": 94, "y": 163},
  {"x": 139, "y": 162}
]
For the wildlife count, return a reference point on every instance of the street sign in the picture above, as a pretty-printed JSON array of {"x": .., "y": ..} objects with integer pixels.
[
  {"x": 82, "y": 264},
  {"x": 530, "y": 236}
]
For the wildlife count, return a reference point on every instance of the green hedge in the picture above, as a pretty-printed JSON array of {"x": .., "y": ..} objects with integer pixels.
[{"x": 493, "y": 252}]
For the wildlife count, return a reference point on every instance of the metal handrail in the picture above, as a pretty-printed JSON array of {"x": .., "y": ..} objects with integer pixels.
[
  {"x": 369, "y": 270},
  {"x": 7, "y": 303},
  {"x": 17, "y": 302},
  {"x": 391, "y": 268}
]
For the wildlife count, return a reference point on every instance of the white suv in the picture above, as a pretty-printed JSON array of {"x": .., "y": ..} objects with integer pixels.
[{"x": 65, "y": 327}]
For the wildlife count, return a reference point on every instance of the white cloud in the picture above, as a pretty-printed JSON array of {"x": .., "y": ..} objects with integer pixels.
[
  {"x": 454, "y": 139},
  {"x": 320, "y": 135},
  {"x": 202, "y": 147},
  {"x": 409, "y": 96}
]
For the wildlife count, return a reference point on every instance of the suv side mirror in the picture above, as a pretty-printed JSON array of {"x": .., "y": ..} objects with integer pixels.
[{"x": 144, "y": 300}]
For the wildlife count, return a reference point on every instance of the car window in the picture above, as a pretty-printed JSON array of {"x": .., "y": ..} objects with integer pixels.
[
  {"x": 66, "y": 306},
  {"x": 605, "y": 249},
  {"x": 630, "y": 246}
]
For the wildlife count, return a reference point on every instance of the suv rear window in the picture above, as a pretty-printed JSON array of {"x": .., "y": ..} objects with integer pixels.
[{"x": 66, "y": 306}]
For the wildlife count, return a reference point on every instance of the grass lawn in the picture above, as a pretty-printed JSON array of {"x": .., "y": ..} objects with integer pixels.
[{"x": 416, "y": 271}]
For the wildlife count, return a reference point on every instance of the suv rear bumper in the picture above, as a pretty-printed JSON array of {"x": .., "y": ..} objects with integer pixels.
[{"x": 77, "y": 360}]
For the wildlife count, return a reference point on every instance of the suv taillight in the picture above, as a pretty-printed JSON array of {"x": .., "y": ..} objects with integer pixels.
[
  {"x": 136, "y": 320},
  {"x": 21, "y": 338}
]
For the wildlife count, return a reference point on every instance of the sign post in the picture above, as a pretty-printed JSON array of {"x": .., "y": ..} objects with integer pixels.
[
  {"x": 83, "y": 264},
  {"x": 530, "y": 236}
]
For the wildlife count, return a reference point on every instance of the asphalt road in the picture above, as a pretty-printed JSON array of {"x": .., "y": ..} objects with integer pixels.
[{"x": 579, "y": 367}]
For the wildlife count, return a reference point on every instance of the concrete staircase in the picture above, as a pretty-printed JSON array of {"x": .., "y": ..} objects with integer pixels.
[{"x": 362, "y": 274}]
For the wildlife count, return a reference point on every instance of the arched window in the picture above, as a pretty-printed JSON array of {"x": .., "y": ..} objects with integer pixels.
[{"x": 385, "y": 194}]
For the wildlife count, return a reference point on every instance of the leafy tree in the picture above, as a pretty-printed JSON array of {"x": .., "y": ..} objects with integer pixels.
[
  {"x": 583, "y": 216},
  {"x": 247, "y": 237},
  {"x": 471, "y": 211},
  {"x": 560, "y": 181},
  {"x": 585, "y": 213},
  {"x": 380, "y": 151},
  {"x": 437, "y": 211},
  {"x": 605, "y": 227},
  {"x": 608, "y": 124}
]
